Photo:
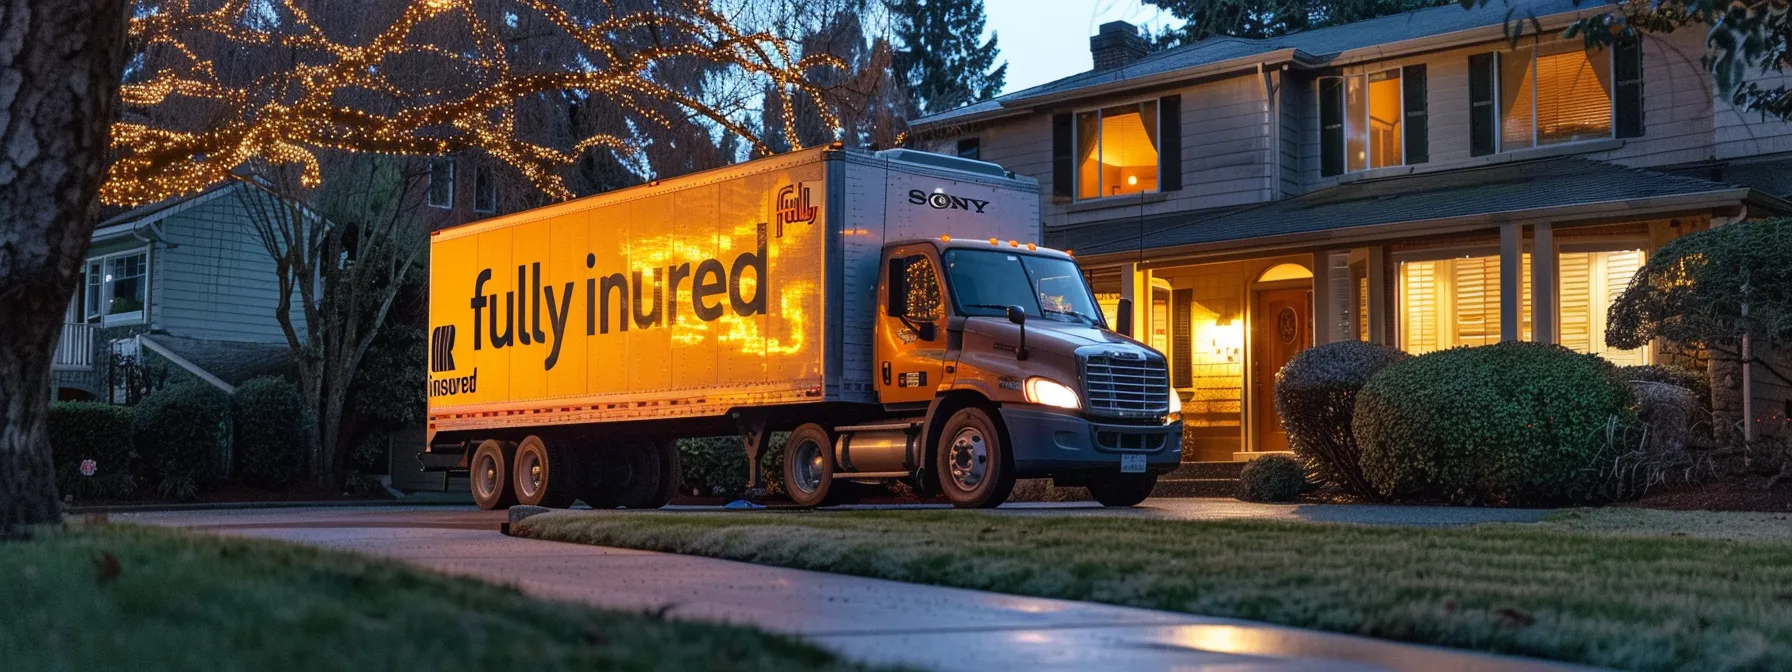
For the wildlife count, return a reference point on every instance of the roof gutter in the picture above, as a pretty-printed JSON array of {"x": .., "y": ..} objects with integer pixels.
[
  {"x": 1552, "y": 23},
  {"x": 1356, "y": 235}
]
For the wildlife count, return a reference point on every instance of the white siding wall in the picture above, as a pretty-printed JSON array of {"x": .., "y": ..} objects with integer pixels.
[{"x": 216, "y": 281}]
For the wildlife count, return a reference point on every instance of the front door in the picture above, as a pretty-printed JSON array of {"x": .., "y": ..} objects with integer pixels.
[
  {"x": 1282, "y": 326},
  {"x": 911, "y": 333}
]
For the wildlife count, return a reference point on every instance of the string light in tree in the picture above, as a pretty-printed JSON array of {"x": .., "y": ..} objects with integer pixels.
[{"x": 341, "y": 96}]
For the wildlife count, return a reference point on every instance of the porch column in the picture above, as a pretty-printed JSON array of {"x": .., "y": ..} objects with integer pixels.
[
  {"x": 1325, "y": 325},
  {"x": 1378, "y": 297},
  {"x": 1543, "y": 284},
  {"x": 1511, "y": 284},
  {"x": 1135, "y": 285}
]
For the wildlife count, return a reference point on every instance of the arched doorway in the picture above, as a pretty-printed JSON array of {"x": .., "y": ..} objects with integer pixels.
[{"x": 1281, "y": 327}]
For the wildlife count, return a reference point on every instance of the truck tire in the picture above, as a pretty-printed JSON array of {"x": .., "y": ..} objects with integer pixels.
[
  {"x": 974, "y": 465},
  {"x": 545, "y": 474},
  {"x": 1121, "y": 489},
  {"x": 489, "y": 474},
  {"x": 809, "y": 467},
  {"x": 633, "y": 473}
]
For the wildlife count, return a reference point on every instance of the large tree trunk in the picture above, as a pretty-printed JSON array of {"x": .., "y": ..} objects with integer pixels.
[{"x": 60, "y": 62}]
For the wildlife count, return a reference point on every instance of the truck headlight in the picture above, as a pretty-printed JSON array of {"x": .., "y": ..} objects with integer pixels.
[
  {"x": 1175, "y": 414},
  {"x": 1052, "y": 393}
]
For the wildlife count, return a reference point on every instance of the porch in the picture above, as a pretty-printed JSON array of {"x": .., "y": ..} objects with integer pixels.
[{"x": 1527, "y": 251}]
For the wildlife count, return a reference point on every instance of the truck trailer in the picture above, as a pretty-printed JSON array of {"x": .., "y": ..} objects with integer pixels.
[{"x": 892, "y": 311}]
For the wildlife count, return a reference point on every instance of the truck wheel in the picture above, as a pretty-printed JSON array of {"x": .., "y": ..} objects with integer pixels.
[
  {"x": 632, "y": 474},
  {"x": 544, "y": 475},
  {"x": 670, "y": 469},
  {"x": 1121, "y": 489},
  {"x": 809, "y": 466},
  {"x": 489, "y": 474},
  {"x": 973, "y": 461}
]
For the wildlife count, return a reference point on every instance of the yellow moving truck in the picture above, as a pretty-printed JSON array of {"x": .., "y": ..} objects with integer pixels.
[{"x": 891, "y": 310}]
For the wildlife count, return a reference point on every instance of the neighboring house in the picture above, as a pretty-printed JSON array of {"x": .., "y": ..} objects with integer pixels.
[
  {"x": 185, "y": 286},
  {"x": 1414, "y": 180}
]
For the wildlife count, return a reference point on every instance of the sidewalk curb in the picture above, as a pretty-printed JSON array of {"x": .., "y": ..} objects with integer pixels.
[{"x": 219, "y": 506}]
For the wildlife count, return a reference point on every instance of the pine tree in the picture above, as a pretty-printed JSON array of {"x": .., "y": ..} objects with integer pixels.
[
  {"x": 1270, "y": 18},
  {"x": 941, "y": 56}
]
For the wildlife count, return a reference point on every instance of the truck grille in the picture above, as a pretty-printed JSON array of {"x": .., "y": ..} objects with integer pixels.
[{"x": 1126, "y": 385}]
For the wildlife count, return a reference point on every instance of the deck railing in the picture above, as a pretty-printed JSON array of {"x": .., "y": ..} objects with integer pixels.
[{"x": 74, "y": 351}]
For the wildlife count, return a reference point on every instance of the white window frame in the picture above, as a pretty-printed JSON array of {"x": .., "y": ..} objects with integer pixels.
[
  {"x": 92, "y": 313},
  {"x": 1076, "y": 172},
  {"x": 430, "y": 194},
  {"x": 1344, "y": 108},
  {"x": 1499, "y": 116},
  {"x": 491, "y": 181}
]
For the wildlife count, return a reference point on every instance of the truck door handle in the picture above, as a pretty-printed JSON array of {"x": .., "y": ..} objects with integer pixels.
[{"x": 886, "y": 374}]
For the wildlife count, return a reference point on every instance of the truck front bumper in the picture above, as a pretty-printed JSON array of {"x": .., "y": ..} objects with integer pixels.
[{"x": 1047, "y": 443}]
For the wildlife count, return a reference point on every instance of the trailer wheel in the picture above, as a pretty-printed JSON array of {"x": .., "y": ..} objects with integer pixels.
[
  {"x": 632, "y": 473},
  {"x": 544, "y": 474},
  {"x": 809, "y": 467},
  {"x": 1121, "y": 489},
  {"x": 489, "y": 474},
  {"x": 973, "y": 461},
  {"x": 669, "y": 467}
]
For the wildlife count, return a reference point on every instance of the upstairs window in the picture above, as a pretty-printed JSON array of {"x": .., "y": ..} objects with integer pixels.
[
  {"x": 1372, "y": 120},
  {"x": 1116, "y": 150},
  {"x": 970, "y": 148},
  {"x": 485, "y": 191},
  {"x": 1554, "y": 94},
  {"x": 117, "y": 287},
  {"x": 441, "y": 183}
]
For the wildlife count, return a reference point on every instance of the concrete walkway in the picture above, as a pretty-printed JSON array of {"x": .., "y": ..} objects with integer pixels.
[{"x": 871, "y": 620}]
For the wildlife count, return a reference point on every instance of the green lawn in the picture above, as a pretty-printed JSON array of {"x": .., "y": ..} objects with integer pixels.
[
  {"x": 1631, "y": 599},
  {"x": 186, "y": 602}
]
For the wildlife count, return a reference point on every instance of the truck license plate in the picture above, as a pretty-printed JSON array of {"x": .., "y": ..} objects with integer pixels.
[{"x": 1132, "y": 464}]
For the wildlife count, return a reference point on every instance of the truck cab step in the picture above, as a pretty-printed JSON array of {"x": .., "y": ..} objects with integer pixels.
[{"x": 902, "y": 426}]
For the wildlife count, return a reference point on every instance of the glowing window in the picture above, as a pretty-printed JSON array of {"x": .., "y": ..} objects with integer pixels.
[
  {"x": 1551, "y": 96},
  {"x": 1285, "y": 272},
  {"x": 1589, "y": 282},
  {"x": 1116, "y": 150},
  {"x": 1454, "y": 302},
  {"x": 1373, "y": 108}
]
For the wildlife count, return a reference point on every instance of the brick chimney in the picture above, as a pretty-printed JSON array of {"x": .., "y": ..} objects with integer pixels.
[{"x": 1116, "y": 45}]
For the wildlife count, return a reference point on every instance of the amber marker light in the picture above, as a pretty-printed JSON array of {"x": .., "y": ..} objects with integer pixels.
[
  {"x": 993, "y": 241},
  {"x": 1032, "y": 248},
  {"x": 945, "y": 239}
]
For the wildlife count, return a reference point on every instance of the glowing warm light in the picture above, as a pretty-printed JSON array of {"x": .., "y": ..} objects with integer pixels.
[
  {"x": 1132, "y": 180},
  {"x": 993, "y": 241},
  {"x": 945, "y": 239},
  {"x": 289, "y": 115},
  {"x": 1031, "y": 247}
]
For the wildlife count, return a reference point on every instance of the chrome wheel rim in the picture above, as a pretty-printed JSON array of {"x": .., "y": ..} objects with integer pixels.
[
  {"x": 529, "y": 467},
  {"x": 809, "y": 466},
  {"x": 968, "y": 460},
  {"x": 486, "y": 477}
]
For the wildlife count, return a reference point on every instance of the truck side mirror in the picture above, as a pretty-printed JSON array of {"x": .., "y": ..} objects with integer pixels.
[
  {"x": 1018, "y": 315},
  {"x": 1123, "y": 320}
]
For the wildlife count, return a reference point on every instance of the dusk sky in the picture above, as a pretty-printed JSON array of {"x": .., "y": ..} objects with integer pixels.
[{"x": 1043, "y": 40}]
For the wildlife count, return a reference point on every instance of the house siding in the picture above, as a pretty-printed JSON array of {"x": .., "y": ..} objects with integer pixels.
[{"x": 215, "y": 280}]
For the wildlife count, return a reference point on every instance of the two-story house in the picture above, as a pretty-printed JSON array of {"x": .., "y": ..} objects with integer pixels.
[{"x": 1416, "y": 180}]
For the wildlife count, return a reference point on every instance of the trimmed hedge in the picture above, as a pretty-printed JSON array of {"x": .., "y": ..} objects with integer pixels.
[
  {"x": 182, "y": 434},
  {"x": 1316, "y": 399},
  {"x": 1272, "y": 478},
  {"x": 86, "y": 430},
  {"x": 1514, "y": 424},
  {"x": 270, "y": 432},
  {"x": 717, "y": 466}
]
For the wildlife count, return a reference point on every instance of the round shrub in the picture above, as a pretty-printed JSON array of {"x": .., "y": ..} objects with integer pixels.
[
  {"x": 85, "y": 430},
  {"x": 270, "y": 432},
  {"x": 1272, "y": 478},
  {"x": 1697, "y": 381},
  {"x": 181, "y": 434},
  {"x": 1316, "y": 397},
  {"x": 1513, "y": 424}
]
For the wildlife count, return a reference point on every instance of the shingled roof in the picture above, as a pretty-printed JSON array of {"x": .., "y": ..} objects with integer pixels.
[
  {"x": 1491, "y": 191},
  {"x": 1316, "y": 45}
]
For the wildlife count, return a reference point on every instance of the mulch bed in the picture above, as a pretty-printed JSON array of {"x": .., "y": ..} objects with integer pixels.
[{"x": 1735, "y": 493}]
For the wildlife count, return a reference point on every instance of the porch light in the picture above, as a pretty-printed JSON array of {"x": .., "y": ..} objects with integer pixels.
[
  {"x": 1132, "y": 180},
  {"x": 1052, "y": 393}
]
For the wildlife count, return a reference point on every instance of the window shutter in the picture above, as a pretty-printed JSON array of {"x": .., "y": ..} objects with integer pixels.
[
  {"x": 1627, "y": 67},
  {"x": 1169, "y": 140},
  {"x": 1331, "y": 126},
  {"x": 1061, "y": 187},
  {"x": 1418, "y": 140},
  {"x": 1483, "y": 118},
  {"x": 1182, "y": 348}
]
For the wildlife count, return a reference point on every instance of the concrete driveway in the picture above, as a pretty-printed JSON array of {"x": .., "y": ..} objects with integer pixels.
[{"x": 871, "y": 620}]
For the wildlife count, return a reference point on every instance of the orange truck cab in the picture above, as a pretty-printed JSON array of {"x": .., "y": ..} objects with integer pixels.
[{"x": 891, "y": 311}]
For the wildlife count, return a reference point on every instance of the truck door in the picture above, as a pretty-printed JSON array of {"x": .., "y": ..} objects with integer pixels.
[{"x": 911, "y": 333}]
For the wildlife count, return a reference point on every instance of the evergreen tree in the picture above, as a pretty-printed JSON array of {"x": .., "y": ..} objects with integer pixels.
[
  {"x": 941, "y": 56},
  {"x": 1270, "y": 18}
]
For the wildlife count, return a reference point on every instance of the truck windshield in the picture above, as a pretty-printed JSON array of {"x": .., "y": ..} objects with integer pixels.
[{"x": 986, "y": 282}]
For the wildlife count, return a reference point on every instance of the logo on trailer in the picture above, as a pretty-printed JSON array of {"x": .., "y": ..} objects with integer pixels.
[
  {"x": 441, "y": 349},
  {"x": 940, "y": 200},
  {"x": 794, "y": 206}
]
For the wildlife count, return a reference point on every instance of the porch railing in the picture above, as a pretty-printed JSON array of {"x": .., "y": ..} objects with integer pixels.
[{"x": 74, "y": 351}]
